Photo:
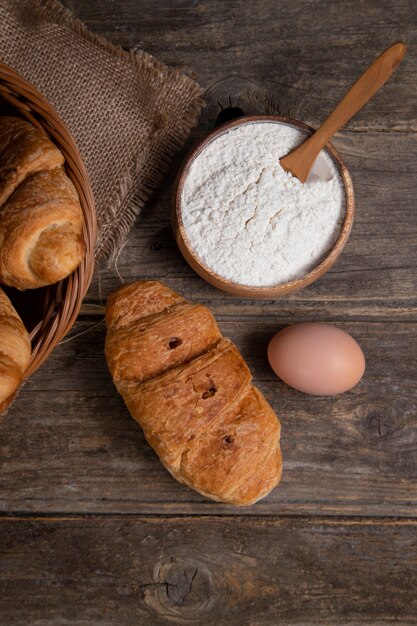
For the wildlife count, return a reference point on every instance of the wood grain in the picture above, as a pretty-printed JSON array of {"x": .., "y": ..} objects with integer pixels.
[
  {"x": 80, "y": 451},
  {"x": 305, "y": 54},
  {"x": 68, "y": 445},
  {"x": 134, "y": 571}
]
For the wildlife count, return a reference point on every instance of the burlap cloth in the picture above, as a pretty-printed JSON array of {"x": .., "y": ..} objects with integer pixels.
[{"x": 127, "y": 111}]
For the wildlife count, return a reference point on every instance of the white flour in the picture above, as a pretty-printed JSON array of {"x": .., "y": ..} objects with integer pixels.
[{"x": 249, "y": 220}]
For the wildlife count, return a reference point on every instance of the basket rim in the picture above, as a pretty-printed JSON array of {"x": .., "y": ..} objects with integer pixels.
[{"x": 63, "y": 299}]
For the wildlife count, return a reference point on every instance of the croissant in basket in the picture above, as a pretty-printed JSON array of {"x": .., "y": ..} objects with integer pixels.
[
  {"x": 40, "y": 215},
  {"x": 15, "y": 350},
  {"x": 190, "y": 390}
]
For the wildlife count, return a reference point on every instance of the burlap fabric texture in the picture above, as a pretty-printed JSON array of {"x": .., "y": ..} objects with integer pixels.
[{"x": 128, "y": 112}]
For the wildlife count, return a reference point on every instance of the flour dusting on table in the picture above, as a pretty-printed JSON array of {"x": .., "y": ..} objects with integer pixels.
[{"x": 249, "y": 220}]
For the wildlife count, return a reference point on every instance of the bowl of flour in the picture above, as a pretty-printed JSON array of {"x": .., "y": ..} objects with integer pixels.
[{"x": 247, "y": 226}]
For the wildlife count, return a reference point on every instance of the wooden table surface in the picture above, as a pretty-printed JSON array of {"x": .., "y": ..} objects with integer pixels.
[{"x": 93, "y": 529}]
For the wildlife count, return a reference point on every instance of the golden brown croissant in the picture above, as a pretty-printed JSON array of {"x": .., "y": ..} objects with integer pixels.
[
  {"x": 24, "y": 150},
  {"x": 15, "y": 350},
  {"x": 40, "y": 215},
  {"x": 190, "y": 390}
]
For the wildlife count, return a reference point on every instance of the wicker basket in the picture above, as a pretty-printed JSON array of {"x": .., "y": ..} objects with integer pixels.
[{"x": 50, "y": 312}]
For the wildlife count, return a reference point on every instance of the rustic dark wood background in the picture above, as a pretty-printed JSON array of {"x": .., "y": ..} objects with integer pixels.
[{"x": 93, "y": 529}]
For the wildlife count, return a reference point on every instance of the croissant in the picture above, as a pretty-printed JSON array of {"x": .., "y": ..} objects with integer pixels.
[
  {"x": 40, "y": 215},
  {"x": 15, "y": 350},
  {"x": 190, "y": 390},
  {"x": 24, "y": 150}
]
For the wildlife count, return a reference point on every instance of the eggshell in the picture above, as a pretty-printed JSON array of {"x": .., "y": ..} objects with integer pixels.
[{"x": 316, "y": 358}]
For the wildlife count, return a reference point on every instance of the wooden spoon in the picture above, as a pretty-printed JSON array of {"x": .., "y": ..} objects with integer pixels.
[{"x": 300, "y": 161}]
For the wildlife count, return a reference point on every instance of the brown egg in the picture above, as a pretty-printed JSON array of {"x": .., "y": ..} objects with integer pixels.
[{"x": 316, "y": 358}]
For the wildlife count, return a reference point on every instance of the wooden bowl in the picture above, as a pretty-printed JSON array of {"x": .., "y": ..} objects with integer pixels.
[
  {"x": 49, "y": 313},
  {"x": 246, "y": 291}
]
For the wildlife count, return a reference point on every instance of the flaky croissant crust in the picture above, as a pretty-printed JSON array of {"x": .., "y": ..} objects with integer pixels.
[
  {"x": 15, "y": 350},
  {"x": 40, "y": 215},
  {"x": 191, "y": 392}
]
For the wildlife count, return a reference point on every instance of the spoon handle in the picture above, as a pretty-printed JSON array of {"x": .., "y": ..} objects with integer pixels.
[{"x": 300, "y": 161}]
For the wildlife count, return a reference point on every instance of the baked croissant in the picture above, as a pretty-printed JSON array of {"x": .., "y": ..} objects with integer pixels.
[
  {"x": 15, "y": 350},
  {"x": 190, "y": 390},
  {"x": 24, "y": 150},
  {"x": 40, "y": 215}
]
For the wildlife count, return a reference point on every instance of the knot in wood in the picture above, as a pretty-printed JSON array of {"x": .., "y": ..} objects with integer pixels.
[
  {"x": 182, "y": 590},
  {"x": 380, "y": 422}
]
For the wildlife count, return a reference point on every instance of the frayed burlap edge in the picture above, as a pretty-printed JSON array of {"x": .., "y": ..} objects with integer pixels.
[{"x": 128, "y": 201}]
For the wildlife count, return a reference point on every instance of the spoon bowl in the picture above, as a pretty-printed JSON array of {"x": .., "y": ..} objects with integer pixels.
[{"x": 250, "y": 291}]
